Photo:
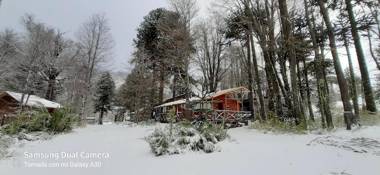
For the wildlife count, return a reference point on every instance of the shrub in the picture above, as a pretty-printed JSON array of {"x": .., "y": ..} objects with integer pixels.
[
  {"x": 159, "y": 142},
  {"x": 13, "y": 128},
  {"x": 60, "y": 121},
  {"x": 177, "y": 139},
  {"x": 38, "y": 122},
  {"x": 16, "y": 126},
  {"x": 57, "y": 122}
]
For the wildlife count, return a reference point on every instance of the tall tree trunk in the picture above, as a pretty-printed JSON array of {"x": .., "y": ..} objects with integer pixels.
[
  {"x": 162, "y": 85},
  {"x": 287, "y": 36},
  {"x": 308, "y": 92},
  {"x": 250, "y": 76},
  {"x": 348, "y": 116},
  {"x": 153, "y": 96},
  {"x": 100, "y": 122},
  {"x": 352, "y": 76},
  {"x": 50, "y": 93},
  {"x": 300, "y": 87},
  {"x": 322, "y": 88},
  {"x": 364, "y": 107},
  {"x": 368, "y": 92},
  {"x": 258, "y": 80},
  {"x": 174, "y": 91},
  {"x": 270, "y": 11}
]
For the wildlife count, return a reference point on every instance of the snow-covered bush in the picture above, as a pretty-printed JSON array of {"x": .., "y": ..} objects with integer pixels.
[
  {"x": 179, "y": 138},
  {"x": 57, "y": 122},
  {"x": 61, "y": 121}
]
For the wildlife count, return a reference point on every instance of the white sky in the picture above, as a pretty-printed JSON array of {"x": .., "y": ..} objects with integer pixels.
[
  {"x": 68, "y": 15},
  {"x": 124, "y": 18}
]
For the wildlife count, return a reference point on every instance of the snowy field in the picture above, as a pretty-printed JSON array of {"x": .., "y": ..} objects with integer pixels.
[{"x": 121, "y": 149}]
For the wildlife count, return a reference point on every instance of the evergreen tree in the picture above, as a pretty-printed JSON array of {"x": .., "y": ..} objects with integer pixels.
[{"x": 103, "y": 96}]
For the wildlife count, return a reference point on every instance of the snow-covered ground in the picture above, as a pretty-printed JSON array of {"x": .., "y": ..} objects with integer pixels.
[{"x": 123, "y": 150}]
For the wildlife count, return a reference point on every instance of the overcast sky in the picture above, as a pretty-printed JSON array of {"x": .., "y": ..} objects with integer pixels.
[
  {"x": 124, "y": 18},
  {"x": 67, "y": 15}
]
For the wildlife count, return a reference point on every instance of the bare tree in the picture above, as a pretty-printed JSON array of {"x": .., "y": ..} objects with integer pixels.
[
  {"x": 211, "y": 52},
  {"x": 188, "y": 10},
  {"x": 9, "y": 44},
  {"x": 95, "y": 42}
]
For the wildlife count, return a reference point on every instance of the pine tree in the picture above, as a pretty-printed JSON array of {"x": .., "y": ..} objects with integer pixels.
[{"x": 103, "y": 96}]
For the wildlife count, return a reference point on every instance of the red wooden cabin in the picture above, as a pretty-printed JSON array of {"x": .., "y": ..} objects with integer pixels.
[{"x": 222, "y": 105}]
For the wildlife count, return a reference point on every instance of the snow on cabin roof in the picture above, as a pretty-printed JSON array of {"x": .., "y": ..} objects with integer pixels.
[
  {"x": 178, "y": 102},
  {"x": 208, "y": 96},
  {"x": 227, "y": 91},
  {"x": 34, "y": 101}
]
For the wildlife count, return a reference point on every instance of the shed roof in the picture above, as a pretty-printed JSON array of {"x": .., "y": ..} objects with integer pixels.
[{"x": 33, "y": 101}]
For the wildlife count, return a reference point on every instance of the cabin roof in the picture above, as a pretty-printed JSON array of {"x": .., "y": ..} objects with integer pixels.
[
  {"x": 178, "y": 102},
  {"x": 228, "y": 91},
  {"x": 208, "y": 96},
  {"x": 33, "y": 101}
]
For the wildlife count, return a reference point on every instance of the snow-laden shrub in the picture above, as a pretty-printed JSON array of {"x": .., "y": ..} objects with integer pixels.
[
  {"x": 37, "y": 122},
  {"x": 21, "y": 123},
  {"x": 57, "y": 122},
  {"x": 179, "y": 139},
  {"x": 60, "y": 121}
]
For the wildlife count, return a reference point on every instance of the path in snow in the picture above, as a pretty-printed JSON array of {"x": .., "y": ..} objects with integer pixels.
[{"x": 247, "y": 152}]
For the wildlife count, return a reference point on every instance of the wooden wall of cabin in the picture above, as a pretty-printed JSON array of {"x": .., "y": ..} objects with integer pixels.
[
  {"x": 6, "y": 112},
  {"x": 224, "y": 102}
]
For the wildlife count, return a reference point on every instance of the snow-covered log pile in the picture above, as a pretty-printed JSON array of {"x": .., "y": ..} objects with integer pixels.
[{"x": 178, "y": 139}]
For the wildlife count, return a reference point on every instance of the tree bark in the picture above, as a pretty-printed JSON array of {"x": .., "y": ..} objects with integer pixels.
[
  {"x": 101, "y": 117},
  {"x": 308, "y": 92},
  {"x": 258, "y": 81},
  {"x": 287, "y": 36},
  {"x": 162, "y": 85},
  {"x": 50, "y": 93},
  {"x": 250, "y": 76},
  {"x": 348, "y": 115},
  {"x": 368, "y": 92},
  {"x": 352, "y": 77},
  {"x": 302, "y": 91}
]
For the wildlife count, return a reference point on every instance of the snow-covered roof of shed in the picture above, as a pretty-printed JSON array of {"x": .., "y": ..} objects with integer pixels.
[
  {"x": 178, "y": 102},
  {"x": 34, "y": 101}
]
